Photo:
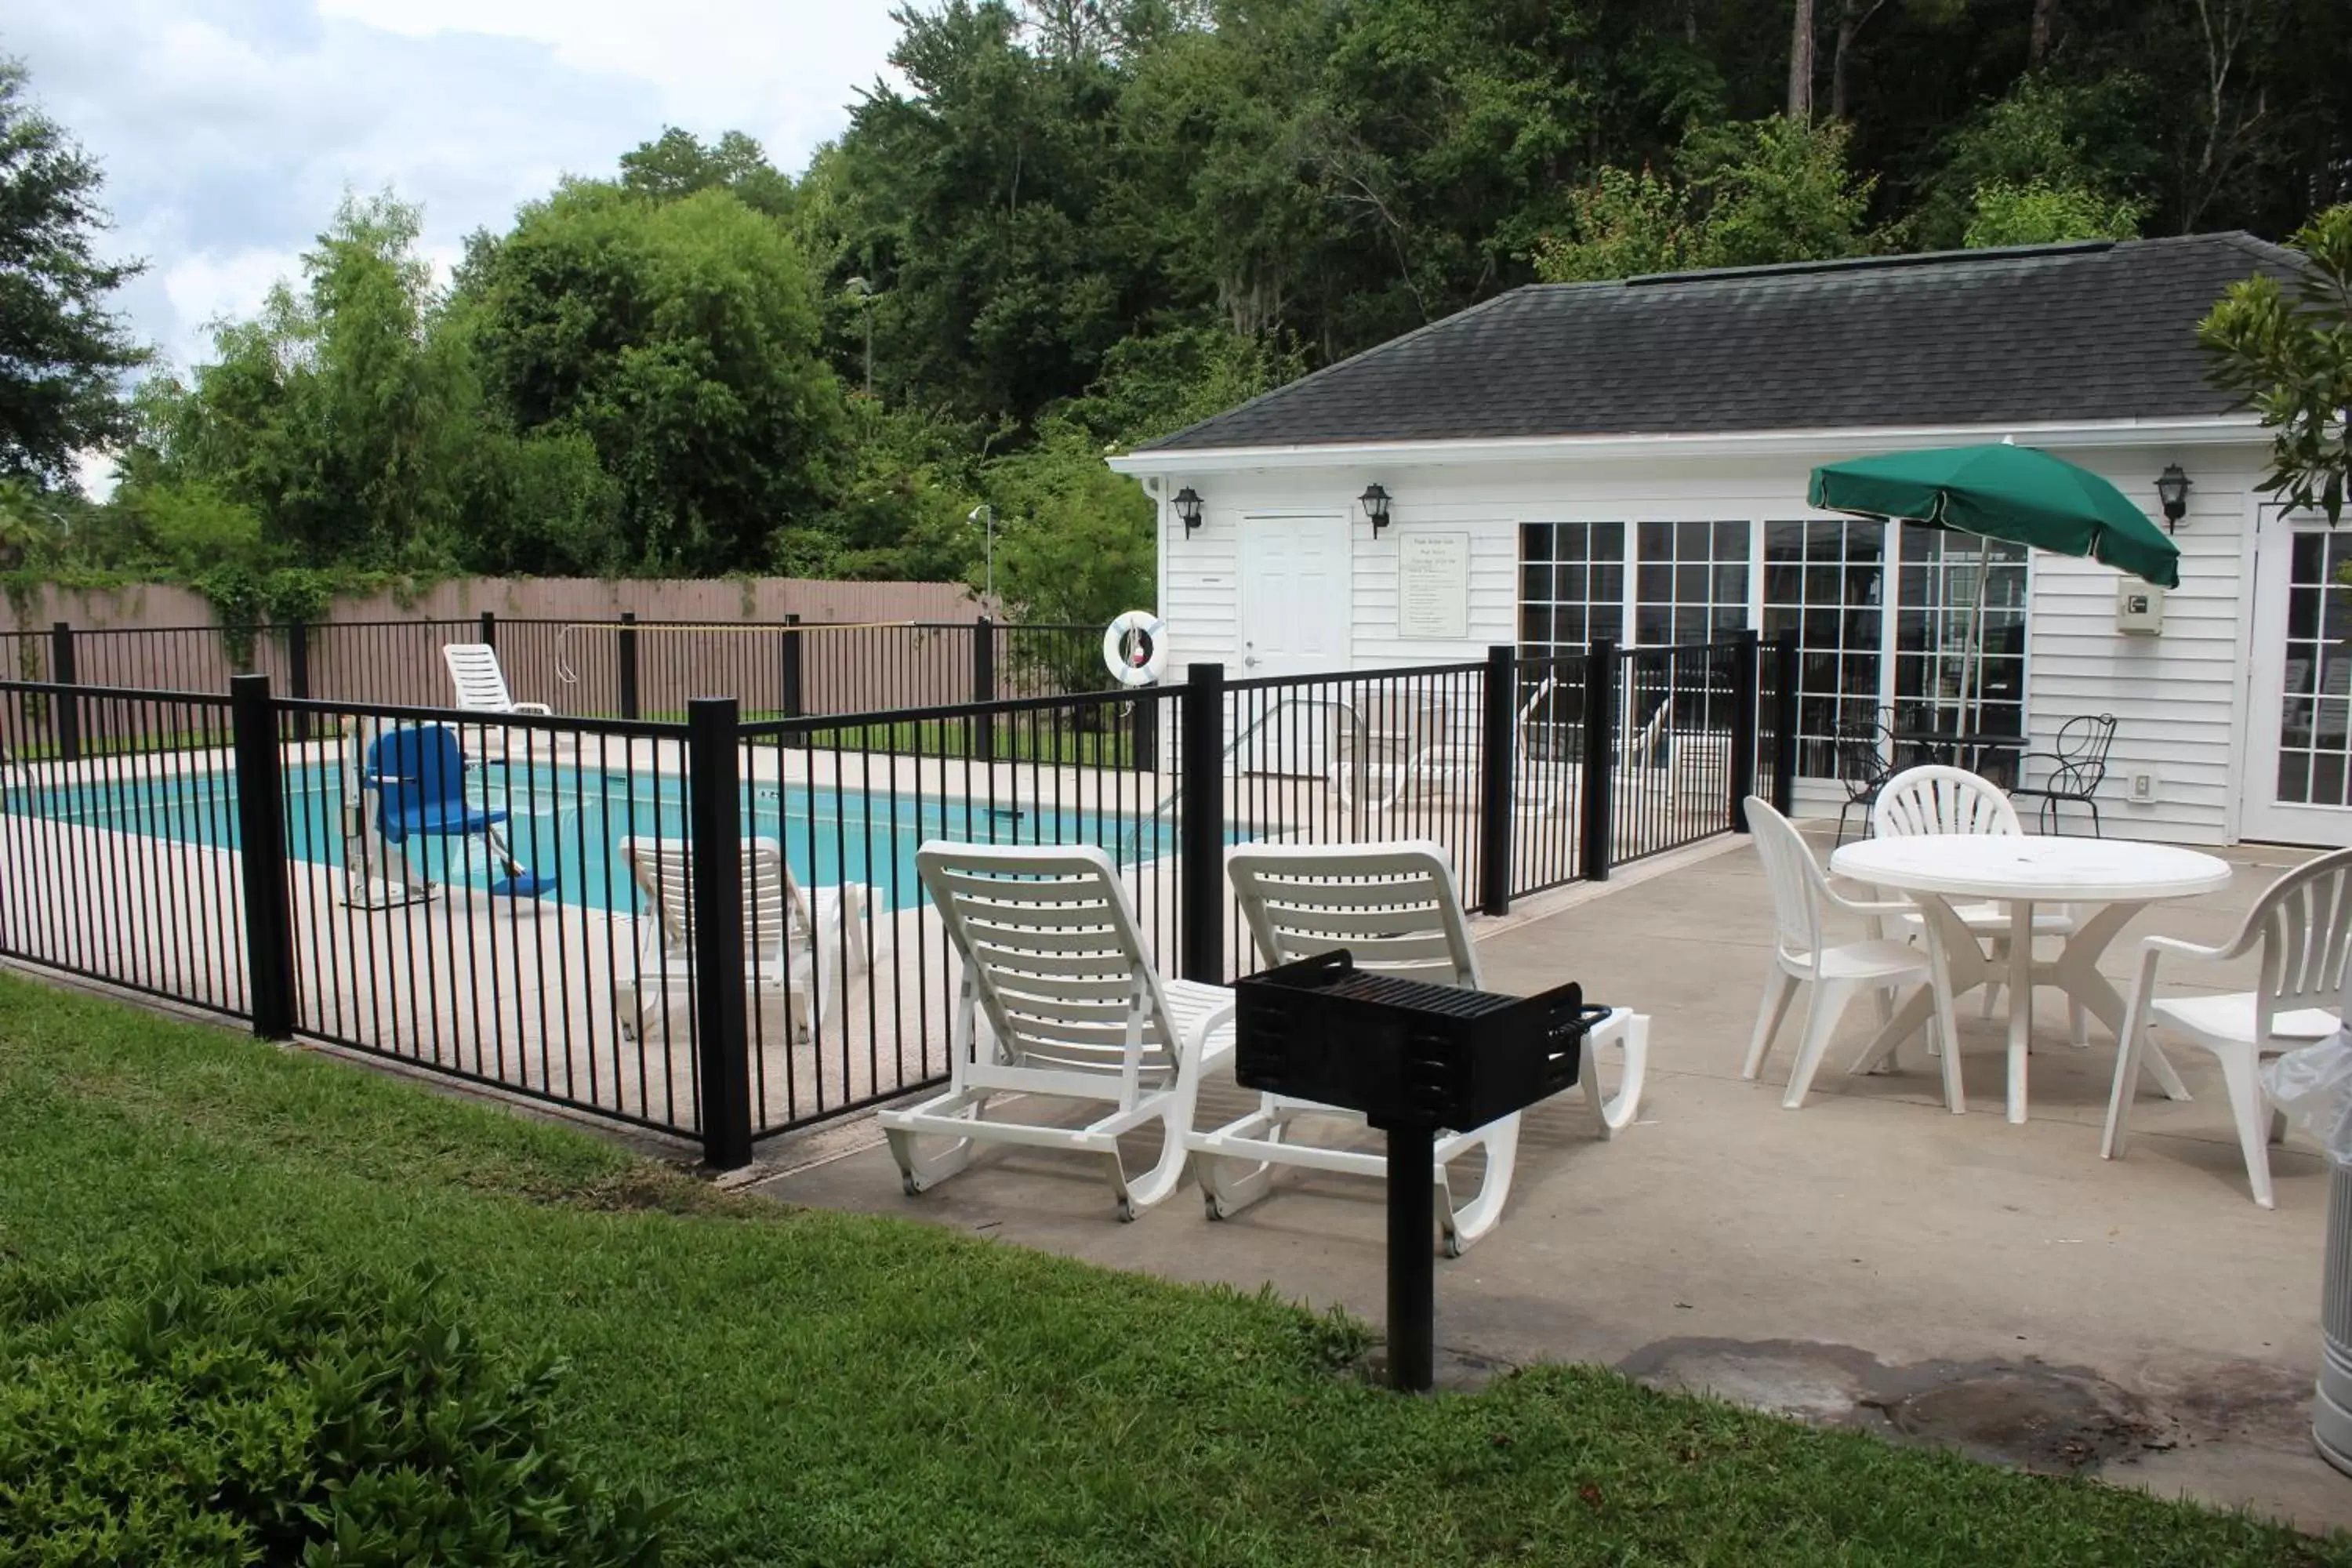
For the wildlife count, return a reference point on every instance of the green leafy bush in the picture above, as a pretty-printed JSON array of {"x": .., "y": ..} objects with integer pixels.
[{"x": 255, "y": 1410}]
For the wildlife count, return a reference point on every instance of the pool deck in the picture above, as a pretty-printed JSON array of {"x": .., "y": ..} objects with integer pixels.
[{"x": 1870, "y": 1260}]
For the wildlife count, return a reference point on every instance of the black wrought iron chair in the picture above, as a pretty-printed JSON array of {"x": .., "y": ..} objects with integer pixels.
[
  {"x": 1864, "y": 750},
  {"x": 2077, "y": 768}
]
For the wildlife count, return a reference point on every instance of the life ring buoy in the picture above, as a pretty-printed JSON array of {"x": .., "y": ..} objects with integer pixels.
[{"x": 1136, "y": 662}]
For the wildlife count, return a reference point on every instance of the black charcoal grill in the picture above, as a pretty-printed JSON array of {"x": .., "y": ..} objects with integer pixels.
[{"x": 1416, "y": 1060}]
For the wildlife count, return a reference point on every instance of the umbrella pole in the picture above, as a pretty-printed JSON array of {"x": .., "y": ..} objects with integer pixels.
[{"x": 1973, "y": 682}]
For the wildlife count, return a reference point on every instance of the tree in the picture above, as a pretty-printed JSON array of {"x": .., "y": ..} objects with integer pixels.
[
  {"x": 1748, "y": 194},
  {"x": 679, "y": 164},
  {"x": 2047, "y": 156},
  {"x": 63, "y": 354},
  {"x": 680, "y": 339},
  {"x": 340, "y": 415},
  {"x": 2288, "y": 353},
  {"x": 2039, "y": 213}
]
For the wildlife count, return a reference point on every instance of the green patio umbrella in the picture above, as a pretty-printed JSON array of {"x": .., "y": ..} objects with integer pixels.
[
  {"x": 2020, "y": 494},
  {"x": 2000, "y": 491}
]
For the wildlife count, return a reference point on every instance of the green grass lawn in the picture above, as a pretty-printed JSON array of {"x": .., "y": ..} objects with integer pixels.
[{"x": 817, "y": 1388}]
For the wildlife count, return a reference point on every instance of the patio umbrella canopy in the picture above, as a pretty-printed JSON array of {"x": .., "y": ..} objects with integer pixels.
[{"x": 2017, "y": 493}]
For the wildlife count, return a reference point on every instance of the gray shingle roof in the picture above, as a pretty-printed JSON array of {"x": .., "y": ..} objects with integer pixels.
[{"x": 2056, "y": 332}]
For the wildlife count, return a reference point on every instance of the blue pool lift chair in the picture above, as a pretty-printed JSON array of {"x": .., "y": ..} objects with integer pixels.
[{"x": 418, "y": 775}]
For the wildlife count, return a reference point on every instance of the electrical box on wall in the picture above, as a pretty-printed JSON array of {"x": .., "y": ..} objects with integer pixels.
[{"x": 2140, "y": 608}]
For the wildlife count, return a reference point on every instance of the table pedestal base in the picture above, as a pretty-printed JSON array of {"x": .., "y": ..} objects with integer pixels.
[{"x": 1961, "y": 964}]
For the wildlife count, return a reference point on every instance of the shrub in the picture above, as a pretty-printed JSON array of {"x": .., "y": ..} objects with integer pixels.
[{"x": 256, "y": 1410}]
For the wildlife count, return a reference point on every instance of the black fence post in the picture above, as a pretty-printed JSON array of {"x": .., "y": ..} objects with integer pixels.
[
  {"x": 1599, "y": 756},
  {"x": 1784, "y": 724},
  {"x": 984, "y": 686},
  {"x": 1201, "y": 788},
  {"x": 715, "y": 833},
  {"x": 1143, "y": 738},
  {"x": 490, "y": 628},
  {"x": 67, "y": 715},
  {"x": 1745, "y": 665},
  {"x": 261, "y": 856},
  {"x": 624, "y": 653},
  {"x": 791, "y": 687},
  {"x": 298, "y": 673},
  {"x": 1496, "y": 780}
]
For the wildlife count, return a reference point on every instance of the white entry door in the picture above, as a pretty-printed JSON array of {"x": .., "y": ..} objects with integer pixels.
[
  {"x": 2298, "y": 785},
  {"x": 1296, "y": 586},
  {"x": 1296, "y": 591}
]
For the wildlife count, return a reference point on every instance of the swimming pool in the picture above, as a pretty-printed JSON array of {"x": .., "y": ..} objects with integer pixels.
[{"x": 569, "y": 820}]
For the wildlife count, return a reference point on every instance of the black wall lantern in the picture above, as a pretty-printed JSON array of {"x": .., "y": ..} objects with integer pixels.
[
  {"x": 1376, "y": 507},
  {"x": 2172, "y": 489},
  {"x": 1188, "y": 507}
]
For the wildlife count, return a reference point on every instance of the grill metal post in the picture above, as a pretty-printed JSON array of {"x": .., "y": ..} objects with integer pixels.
[
  {"x": 490, "y": 628},
  {"x": 1497, "y": 784},
  {"x": 67, "y": 718},
  {"x": 1201, "y": 787},
  {"x": 261, "y": 855},
  {"x": 714, "y": 829},
  {"x": 1413, "y": 1266},
  {"x": 624, "y": 653},
  {"x": 1784, "y": 724},
  {"x": 1599, "y": 756},
  {"x": 1744, "y": 669}
]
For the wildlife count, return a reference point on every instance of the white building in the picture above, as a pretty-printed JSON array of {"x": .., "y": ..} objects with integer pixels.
[{"x": 1629, "y": 461}]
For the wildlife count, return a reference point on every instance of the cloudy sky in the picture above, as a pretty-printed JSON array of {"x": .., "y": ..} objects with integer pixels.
[{"x": 230, "y": 128}]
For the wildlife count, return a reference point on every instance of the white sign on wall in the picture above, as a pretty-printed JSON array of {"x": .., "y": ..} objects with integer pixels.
[{"x": 1433, "y": 585}]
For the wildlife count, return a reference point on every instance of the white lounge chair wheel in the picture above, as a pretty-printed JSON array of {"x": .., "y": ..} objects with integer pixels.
[{"x": 912, "y": 1183}]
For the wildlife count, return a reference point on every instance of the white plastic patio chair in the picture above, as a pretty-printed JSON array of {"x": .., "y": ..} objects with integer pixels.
[
  {"x": 1801, "y": 954},
  {"x": 1921, "y": 801},
  {"x": 785, "y": 958},
  {"x": 481, "y": 684},
  {"x": 1055, "y": 968},
  {"x": 1395, "y": 910},
  {"x": 2304, "y": 925}
]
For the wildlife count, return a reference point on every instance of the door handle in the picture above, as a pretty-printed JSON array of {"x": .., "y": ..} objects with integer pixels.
[{"x": 1250, "y": 659}]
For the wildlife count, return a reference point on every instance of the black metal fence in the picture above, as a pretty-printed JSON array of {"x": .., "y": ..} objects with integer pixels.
[{"x": 711, "y": 924}]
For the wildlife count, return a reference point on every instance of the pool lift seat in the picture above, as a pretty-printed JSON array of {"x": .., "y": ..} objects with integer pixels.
[{"x": 417, "y": 775}]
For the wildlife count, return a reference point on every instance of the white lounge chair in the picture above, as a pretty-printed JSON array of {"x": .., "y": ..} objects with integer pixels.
[
  {"x": 1933, "y": 799},
  {"x": 794, "y": 953},
  {"x": 1053, "y": 964},
  {"x": 481, "y": 684},
  {"x": 1395, "y": 910},
  {"x": 1801, "y": 954},
  {"x": 2304, "y": 925}
]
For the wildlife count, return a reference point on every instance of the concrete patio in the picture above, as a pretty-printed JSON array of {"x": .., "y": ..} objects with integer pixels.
[{"x": 1870, "y": 1259}]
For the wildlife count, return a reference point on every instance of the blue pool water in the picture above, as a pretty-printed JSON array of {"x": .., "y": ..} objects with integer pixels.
[{"x": 568, "y": 821}]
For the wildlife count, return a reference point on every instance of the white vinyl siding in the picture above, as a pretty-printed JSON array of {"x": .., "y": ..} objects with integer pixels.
[{"x": 2177, "y": 696}]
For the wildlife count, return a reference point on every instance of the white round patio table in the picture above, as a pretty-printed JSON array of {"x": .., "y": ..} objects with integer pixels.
[{"x": 1937, "y": 869}]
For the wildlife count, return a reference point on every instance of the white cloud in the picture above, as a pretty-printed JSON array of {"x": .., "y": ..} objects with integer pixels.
[
  {"x": 229, "y": 128},
  {"x": 206, "y": 287}
]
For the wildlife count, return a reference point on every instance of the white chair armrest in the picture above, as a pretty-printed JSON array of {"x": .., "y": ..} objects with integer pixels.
[
  {"x": 1879, "y": 907},
  {"x": 2150, "y": 947},
  {"x": 535, "y": 709}
]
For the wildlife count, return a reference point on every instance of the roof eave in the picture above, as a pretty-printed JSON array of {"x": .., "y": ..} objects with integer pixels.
[{"x": 2202, "y": 430}]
